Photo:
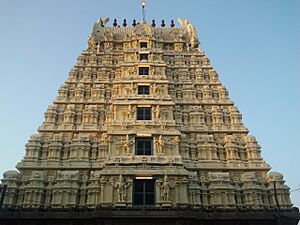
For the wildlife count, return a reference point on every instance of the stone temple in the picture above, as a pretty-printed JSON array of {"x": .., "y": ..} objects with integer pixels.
[{"x": 142, "y": 131}]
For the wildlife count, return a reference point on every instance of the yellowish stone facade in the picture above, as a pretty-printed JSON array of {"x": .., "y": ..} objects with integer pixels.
[{"x": 86, "y": 151}]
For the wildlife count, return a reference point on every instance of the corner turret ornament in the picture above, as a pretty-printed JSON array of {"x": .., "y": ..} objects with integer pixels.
[
  {"x": 191, "y": 31},
  {"x": 101, "y": 22}
]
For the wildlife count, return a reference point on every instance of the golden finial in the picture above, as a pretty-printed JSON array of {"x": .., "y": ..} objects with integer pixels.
[{"x": 143, "y": 4}]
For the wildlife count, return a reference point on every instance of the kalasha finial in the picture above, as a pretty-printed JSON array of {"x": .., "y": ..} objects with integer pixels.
[
  {"x": 134, "y": 23},
  {"x": 163, "y": 23},
  {"x": 153, "y": 23},
  {"x": 115, "y": 23},
  {"x": 143, "y": 4},
  {"x": 124, "y": 23},
  {"x": 172, "y": 23}
]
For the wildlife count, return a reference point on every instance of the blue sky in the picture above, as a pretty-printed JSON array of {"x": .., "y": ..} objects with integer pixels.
[{"x": 253, "y": 45}]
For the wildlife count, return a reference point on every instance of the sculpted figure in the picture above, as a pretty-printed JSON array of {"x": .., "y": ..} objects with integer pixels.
[
  {"x": 121, "y": 189},
  {"x": 176, "y": 140},
  {"x": 130, "y": 112},
  {"x": 160, "y": 144},
  {"x": 91, "y": 42},
  {"x": 156, "y": 112},
  {"x": 128, "y": 144},
  {"x": 166, "y": 188},
  {"x": 154, "y": 88},
  {"x": 129, "y": 115},
  {"x": 104, "y": 137},
  {"x": 132, "y": 88}
]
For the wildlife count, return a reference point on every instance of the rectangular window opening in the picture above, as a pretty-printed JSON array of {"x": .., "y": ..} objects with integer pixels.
[
  {"x": 143, "y": 44},
  {"x": 143, "y": 56},
  {"x": 143, "y": 113},
  {"x": 143, "y": 89},
  {"x": 143, "y": 70},
  {"x": 143, "y": 193},
  {"x": 143, "y": 146}
]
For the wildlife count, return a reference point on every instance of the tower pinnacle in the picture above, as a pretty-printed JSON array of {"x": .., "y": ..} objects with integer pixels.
[{"x": 143, "y": 4}]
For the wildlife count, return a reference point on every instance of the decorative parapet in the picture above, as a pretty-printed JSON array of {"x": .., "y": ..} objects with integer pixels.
[{"x": 186, "y": 33}]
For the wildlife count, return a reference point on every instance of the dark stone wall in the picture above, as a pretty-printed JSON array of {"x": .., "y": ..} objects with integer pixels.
[{"x": 147, "y": 217}]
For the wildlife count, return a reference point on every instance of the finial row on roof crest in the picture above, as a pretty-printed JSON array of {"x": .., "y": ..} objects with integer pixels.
[
  {"x": 185, "y": 31},
  {"x": 134, "y": 23},
  {"x": 104, "y": 20}
]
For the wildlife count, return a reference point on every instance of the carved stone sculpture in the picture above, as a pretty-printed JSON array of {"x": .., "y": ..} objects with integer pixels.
[{"x": 166, "y": 188}]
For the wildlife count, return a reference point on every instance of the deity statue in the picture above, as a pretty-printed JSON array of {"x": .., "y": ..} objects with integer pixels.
[
  {"x": 121, "y": 189},
  {"x": 160, "y": 144},
  {"x": 154, "y": 89},
  {"x": 132, "y": 88},
  {"x": 156, "y": 112},
  {"x": 128, "y": 144},
  {"x": 130, "y": 112},
  {"x": 166, "y": 188}
]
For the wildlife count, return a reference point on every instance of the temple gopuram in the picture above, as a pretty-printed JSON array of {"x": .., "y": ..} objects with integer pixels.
[{"x": 142, "y": 131}]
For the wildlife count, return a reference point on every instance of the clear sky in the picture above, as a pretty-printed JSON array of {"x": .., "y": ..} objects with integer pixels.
[{"x": 252, "y": 44}]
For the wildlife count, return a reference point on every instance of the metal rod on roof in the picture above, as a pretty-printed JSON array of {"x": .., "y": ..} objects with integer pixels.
[{"x": 143, "y": 4}]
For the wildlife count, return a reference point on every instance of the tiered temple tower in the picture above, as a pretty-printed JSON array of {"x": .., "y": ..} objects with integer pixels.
[{"x": 143, "y": 121}]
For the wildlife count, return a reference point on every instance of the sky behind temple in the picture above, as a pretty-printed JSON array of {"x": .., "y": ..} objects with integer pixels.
[{"x": 253, "y": 45}]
